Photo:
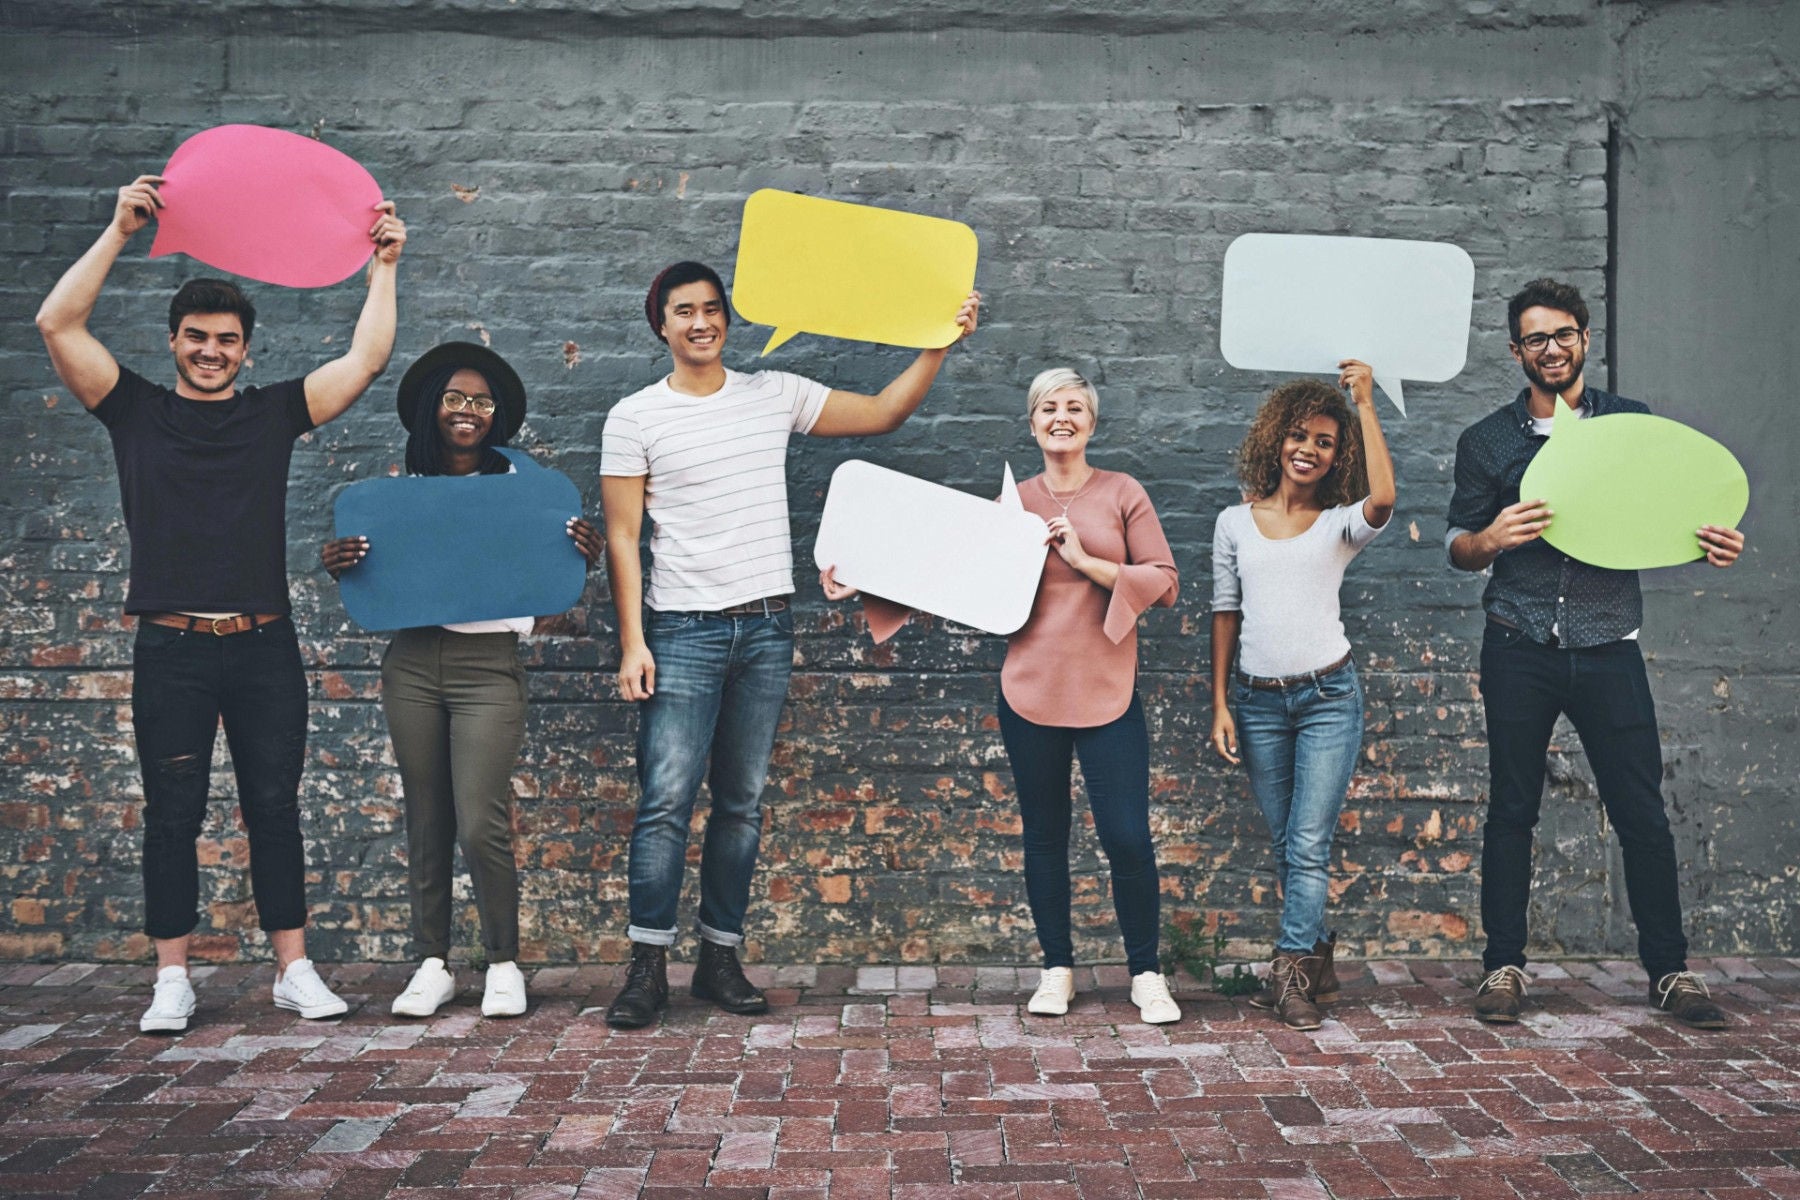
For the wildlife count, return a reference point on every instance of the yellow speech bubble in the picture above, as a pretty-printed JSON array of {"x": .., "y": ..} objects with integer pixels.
[{"x": 852, "y": 271}]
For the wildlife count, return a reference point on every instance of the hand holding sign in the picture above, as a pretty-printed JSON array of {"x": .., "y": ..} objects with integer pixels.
[
  {"x": 269, "y": 205},
  {"x": 853, "y": 271},
  {"x": 1292, "y": 302},
  {"x": 1630, "y": 490},
  {"x": 442, "y": 549},
  {"x": 932, "y": 548}
]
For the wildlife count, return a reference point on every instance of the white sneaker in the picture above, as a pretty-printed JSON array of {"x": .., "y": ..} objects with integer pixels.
[
  {"x": 1056, "y": 987},
  {"x": 505, "y": 994},
  {"x": 1150, "y": 992},
  {"x": 432, "y": 986},
  {"x": 299, "y": 989},
  {"x": 171, "y": 1005}
]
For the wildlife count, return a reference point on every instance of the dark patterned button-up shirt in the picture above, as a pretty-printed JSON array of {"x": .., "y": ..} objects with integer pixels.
[{"x": 1535, "y": 587}]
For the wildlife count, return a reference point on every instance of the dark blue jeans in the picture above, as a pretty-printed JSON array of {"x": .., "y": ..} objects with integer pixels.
[
  {"x": 182, "y": 686},
  {"x": 1115, "y": 762},
  {"x": 720, "y": 685},
  {"x": 1606, "y": 694}
]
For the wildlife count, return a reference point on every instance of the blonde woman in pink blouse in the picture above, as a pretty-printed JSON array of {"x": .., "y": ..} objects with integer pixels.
[{"x": 1069, "y": 688}]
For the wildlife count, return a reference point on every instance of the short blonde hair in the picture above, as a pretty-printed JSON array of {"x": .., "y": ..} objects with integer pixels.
[{"x": 1055, "y": 380}]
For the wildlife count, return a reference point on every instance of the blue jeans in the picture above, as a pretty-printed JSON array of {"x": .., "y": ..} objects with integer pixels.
[
  {"x": 1115, "y": 762},
  {"x": 1300, "y": 744},
  {"x": 720, "y": 684},
  {"x": 1606, "y": 694}
]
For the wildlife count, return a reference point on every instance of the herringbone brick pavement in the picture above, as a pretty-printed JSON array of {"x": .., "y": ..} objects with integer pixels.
[{"x": 910, "y": 1082}]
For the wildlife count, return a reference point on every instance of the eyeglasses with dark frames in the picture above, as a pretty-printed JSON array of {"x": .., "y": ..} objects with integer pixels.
[{"x": 1565, "y": 337}]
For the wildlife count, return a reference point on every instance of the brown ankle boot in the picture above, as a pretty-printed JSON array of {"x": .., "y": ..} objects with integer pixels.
[
  {"x": 1324, "y": 988},
  {"x": 1290, "y": 979},
  {"x": 1324, "y": 979}
]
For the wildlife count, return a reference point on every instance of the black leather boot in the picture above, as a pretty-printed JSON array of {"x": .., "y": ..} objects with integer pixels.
[
  {"x": 719, "y": 978},
  {"x": 646, "y": 990}
]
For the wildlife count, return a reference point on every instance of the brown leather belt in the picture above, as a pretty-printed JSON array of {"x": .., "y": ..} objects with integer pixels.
[
  {"x": 218, "y": 626},
  {"x": 755, "y": 608},
  {"x": 1265, "y": 684}
]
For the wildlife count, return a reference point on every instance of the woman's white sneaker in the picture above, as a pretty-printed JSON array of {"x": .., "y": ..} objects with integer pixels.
[
  {"x": 171, "y": 1004},
  {"x": 299, "y": 989},
  {"x": 431, "y": 987},
  {"x": 1150, "y": 992},
  {"x": 1056, "y": 987},
  {"x": 505, "y": 994}
]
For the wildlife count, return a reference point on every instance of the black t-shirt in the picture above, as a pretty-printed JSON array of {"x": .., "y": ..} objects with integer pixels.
[{"x": 204, "y": 487}]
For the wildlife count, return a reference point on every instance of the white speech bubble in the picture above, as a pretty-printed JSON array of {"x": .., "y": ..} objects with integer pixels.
[
  {"x": 1296, "y": 302},
  {"x": 921, "y": 544}
]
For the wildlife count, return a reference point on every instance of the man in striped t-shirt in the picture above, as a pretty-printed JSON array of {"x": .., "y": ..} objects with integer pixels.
[{"x": 708, "y": 647}]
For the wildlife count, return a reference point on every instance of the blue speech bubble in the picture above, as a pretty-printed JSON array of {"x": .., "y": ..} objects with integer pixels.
[{"x": 450, "y": 548}]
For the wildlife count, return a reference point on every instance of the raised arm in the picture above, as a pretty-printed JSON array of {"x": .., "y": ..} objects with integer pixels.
[
  {"x": 85, "y": 366},
  {"x": 622, "y": 501},
  {"x": 1379, "y": 506},
  {"x": 335, "y": 386},
  {"x": 851, "y": 414}
]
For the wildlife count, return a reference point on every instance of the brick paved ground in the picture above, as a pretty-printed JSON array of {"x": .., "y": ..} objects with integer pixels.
[{"x": 905, "y": 1082}]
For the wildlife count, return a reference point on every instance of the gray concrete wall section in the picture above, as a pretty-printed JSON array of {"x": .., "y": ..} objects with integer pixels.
[{"x": 549, "y": 160}]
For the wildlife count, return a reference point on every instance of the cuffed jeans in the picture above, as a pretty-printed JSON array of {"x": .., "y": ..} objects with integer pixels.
[
  {"x": 1300, "y": 743},
  {"x": 1115, "y": 764},
  {"x": 720, "y": 684},
  {"x": 455, "y": 705},
  {"x": 1606, "y": 694},
  {"x": 182, "y": 685}
]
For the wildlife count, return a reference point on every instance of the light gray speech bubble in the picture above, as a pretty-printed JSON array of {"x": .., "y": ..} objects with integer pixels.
[{"x": 1302, "y": 302}]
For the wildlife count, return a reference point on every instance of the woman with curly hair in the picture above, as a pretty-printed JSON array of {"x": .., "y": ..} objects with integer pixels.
[{"x": 1319, "y": 485}]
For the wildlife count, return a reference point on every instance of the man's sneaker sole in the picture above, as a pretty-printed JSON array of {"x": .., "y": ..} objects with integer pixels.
[
  {"x": 315, "y": 1011},
  {"x": 1497, "y": 1018},
  {"x": 1716, "y": 1023}
]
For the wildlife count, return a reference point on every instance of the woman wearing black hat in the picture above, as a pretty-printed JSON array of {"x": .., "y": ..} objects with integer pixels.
[{"x": 454, "y": 695}]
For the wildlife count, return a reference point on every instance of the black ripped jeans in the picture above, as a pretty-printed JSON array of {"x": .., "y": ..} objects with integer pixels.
[{"x": 182, "y": 685}]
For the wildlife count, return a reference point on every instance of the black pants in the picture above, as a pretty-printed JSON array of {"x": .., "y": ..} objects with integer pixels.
[
  {"x": 182, "y": 685},
  {"x": 1606, "y": 694},
  {"x": 1115, "y": 763}
]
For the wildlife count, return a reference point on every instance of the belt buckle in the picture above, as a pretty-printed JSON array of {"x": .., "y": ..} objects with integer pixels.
[{"x": 217, "y": 632}]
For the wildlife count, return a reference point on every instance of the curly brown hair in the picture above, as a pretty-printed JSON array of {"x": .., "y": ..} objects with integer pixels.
[{"x": 1291, "y": 405}]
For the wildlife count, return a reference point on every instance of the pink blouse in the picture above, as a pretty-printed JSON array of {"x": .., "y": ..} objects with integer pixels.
[{"x": 1074, "y": 663}]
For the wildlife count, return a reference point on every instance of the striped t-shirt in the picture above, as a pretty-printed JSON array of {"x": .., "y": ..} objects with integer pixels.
[{"x": 717, "y": 487}]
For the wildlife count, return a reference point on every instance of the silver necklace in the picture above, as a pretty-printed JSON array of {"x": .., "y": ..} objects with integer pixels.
[{"x": 1076, "y": 495}]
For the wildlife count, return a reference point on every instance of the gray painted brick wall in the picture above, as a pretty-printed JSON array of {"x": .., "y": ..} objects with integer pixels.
[{"x": 549, "y": 162}]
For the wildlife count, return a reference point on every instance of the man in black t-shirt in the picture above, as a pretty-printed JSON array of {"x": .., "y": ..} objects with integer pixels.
[{"x": 203, "y": 480}]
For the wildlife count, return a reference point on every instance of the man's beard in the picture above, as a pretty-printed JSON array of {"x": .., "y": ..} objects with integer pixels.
[{"x": 1577, "y": 360}]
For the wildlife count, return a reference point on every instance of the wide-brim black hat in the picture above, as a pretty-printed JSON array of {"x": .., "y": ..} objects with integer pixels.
[{"x": 503, "y": 381}]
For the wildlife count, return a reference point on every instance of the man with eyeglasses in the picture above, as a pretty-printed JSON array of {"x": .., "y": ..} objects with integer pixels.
[
  {"x": 707, "y": 648},
  {"x": 203, "y": 482},
  {"x": 1561, "y": 637}
]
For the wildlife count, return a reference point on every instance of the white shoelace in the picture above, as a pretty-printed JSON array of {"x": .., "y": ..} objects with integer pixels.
[
  {"x": 1680, "y": 981},
  {"x": 1498, "y": 979}
]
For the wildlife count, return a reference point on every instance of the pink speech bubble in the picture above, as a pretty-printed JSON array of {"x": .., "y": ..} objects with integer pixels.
[{"x": 268, "y": 205}]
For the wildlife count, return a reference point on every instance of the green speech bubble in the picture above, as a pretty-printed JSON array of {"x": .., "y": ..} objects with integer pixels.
[{"x": 1629, "y": 490}]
